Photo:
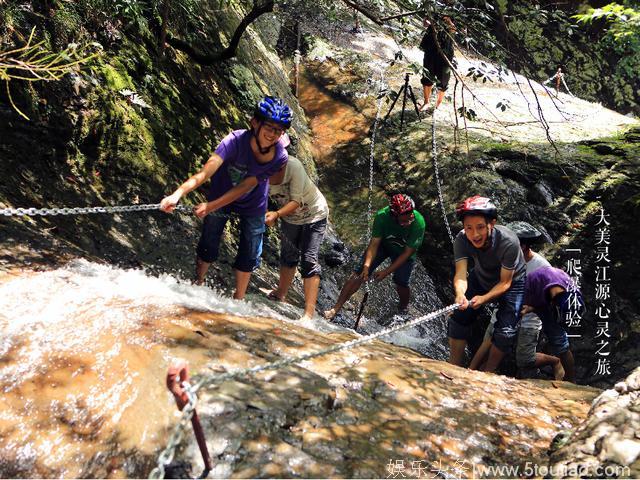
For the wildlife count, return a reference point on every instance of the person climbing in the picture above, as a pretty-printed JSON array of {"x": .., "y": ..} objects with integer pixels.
[
  {"x": 303, "y": 212},
  {"x": 498, "y": 274},
  {"x": 530, "y": 324},
  {"x": 553, "y": 296},
  {"x": 437, "y": 57},
  {"x": 397, "y": 233},
  {"x": 239, "y": 170}
]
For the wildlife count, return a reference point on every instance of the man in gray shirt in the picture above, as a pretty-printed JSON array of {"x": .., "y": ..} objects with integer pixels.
[
  {"x": 527, "y": 359},
  {"x": 498, "y": 274}
]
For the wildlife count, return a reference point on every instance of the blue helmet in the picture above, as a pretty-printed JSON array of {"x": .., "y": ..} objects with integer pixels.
[{"x": 273, "y": 109}]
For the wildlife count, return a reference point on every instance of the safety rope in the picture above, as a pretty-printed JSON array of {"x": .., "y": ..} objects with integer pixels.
[
  {"x": 436, "y": 171},
  {"x": 201, "y": 381}
]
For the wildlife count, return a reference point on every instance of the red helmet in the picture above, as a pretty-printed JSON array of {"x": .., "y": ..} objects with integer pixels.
[
  {"x": 401, "y": 204},
  {"x": 477, "y": 205}
]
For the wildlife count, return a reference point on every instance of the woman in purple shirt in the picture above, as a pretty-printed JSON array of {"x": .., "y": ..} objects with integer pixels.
[
  {"x": 553, "y": 296},
  {"x": 239, "y": 170}
]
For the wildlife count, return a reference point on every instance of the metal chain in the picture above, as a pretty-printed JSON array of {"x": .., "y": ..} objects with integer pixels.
[
  {"x": 371, "y": 155},
  {"x": 9, "y": 212},
  {"x": 166, "y": 456},
  {"x": 32, "y": 212},
  {"x": 437, "y": 173}
]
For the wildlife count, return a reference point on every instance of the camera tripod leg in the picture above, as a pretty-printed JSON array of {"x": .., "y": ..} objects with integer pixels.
[
  {"x": 393, "y": 104},
  {"x": 405, "y": 87},
  {"x": 415, "y": 103}
]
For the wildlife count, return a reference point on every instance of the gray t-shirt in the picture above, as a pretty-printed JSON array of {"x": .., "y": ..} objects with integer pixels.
[
  {"x": 504, "y": 252},
  {"x": 538, "y": 261}
]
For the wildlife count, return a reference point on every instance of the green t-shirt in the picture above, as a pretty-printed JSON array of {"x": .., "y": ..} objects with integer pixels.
[{"x": 396, "y": 238}]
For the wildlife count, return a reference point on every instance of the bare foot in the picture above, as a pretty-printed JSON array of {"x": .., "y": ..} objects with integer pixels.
[
  {"x": 558, "y": 371},
  {"x": 305, "y": 318},
  {"x": 273, "y": 294},
  {"x": 330, "y": 314},
  {"x": 424, "y": 107}
]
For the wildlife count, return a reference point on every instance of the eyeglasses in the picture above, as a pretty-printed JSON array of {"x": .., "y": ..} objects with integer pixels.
[{"x": 271, "y": 130}]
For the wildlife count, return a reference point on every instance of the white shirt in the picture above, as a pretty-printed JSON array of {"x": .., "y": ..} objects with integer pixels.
[{"x": 297, "y": 186}]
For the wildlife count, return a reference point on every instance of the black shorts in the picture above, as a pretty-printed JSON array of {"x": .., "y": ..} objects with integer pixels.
[{"x": 436, "y": 70}]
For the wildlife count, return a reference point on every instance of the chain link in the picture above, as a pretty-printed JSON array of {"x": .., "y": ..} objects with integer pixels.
[
  {"x": 166, "y": 456},
  {"x": 32, "y": 212},
  {"x": 381, "y": 98},
  {"x": 437, "y": 173}
]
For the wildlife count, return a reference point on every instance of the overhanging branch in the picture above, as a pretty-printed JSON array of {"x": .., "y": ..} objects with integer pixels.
[{"x": 259, "y": 8}]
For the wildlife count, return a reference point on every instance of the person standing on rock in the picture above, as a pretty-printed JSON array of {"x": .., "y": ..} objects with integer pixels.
[
  {"x": 498, "y": 275},
  {"x": 239, "y": 170},
  {"x": 553, "y": 296},
  {"x": 397, "y": 233},
  {"x": 530, "y": 324},
  {"x": 303, "y": 213},
  {"x": 437, "y": 46}
]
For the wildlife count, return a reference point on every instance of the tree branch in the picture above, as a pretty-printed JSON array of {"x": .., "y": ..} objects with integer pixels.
[
  {"x": 363, "y": 11},
  {"x": 229, "y": 52}
]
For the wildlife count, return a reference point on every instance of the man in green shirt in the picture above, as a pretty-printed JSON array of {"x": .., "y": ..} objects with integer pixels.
[{"x": 397, "y": 234}]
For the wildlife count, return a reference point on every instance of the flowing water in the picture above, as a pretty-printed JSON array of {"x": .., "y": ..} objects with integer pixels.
[
  {"x": 83, "y": 356},
  {"x": 82, "y": 361}
]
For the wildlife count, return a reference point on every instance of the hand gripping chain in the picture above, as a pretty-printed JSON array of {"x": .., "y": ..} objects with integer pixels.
[{"x": 166, "y": 456}]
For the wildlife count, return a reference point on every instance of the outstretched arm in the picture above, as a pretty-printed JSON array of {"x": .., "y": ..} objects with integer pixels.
[
  {"x": 288, "y": 209},
  {"x": 397, "y": 263},
  {"x": 168, "y": 204},
  {"x": 499, "y": 289},
  {"x": 203, "y": 209},
  {"x": 369, "y": 255},
  {"x": 460, "y": 283}
]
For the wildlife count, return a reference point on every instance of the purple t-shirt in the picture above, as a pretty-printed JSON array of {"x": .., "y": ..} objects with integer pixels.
[
  {"x": 540, "y": 281},
  {"x": 240, "y": 163}
]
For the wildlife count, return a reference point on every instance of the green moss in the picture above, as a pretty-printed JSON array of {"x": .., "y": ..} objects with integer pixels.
[{"x": 116, "y": 79}]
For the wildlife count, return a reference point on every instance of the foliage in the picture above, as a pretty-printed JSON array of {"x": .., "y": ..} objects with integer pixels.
[
  {"x": 35, "y": 62},
  {"x": 623, "y": 22}
]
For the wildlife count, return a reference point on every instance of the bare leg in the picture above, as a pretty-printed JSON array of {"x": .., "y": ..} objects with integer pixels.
[
  {"x": 481, "y": 355},
  {"x": 311, "y": 286},
  {"x": 543, "y": 359},
  {"x": 242, "y": 282},
  {"x": 427, "y": 96},
  {"x": 439, "y": 98},
  {"x": 286, "y": 279},
  {"x": 569, "y": 366},
  {"x": 201, "y": 270},
  {"x": 350, "y": 287},
  {"x": 495, "y": 357},
  {"x": 456, "y": 351},
  {"x": 405, "y": 295}
]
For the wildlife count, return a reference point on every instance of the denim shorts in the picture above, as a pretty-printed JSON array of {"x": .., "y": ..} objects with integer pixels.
[
  {"x": 401, "y": 276},
  {"x": 302, "y": 241},
  {"x": 249, "y": 247},
  {"x": 506, "y": 326},
  {"x": 553, "y": 326}
]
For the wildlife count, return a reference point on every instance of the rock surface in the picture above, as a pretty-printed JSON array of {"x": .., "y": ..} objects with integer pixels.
[{"x": 608, "y": 441}]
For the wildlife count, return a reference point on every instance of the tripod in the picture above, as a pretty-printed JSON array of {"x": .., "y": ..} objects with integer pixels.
[{"x": 406, "y": 88}]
